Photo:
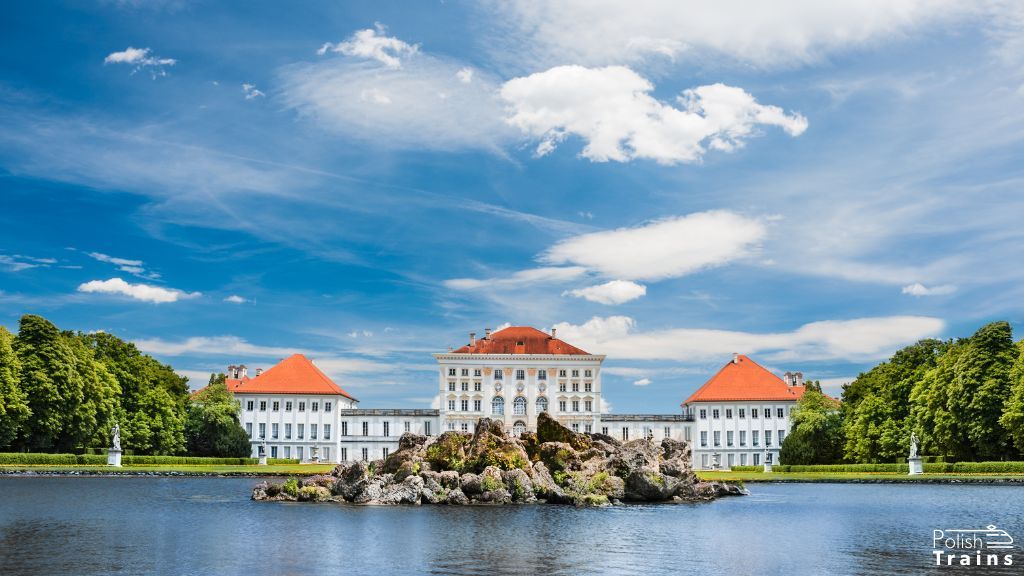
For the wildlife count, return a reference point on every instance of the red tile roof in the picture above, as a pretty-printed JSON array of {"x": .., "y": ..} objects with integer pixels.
[
  {"x": 743, "y": 379},
  {"x": 295, "y": 374},
  {"x": 520, "y": 340}
]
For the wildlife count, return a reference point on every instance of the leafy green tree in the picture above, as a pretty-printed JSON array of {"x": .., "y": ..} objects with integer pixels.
[
  {"x": 981, "y": 388},
  {"x": 14, "y": 408},
  {"x": 876, "y": 405},
  {"x": 99, "y": 405},
  {"x": 153, "y": 397},
  {"x": 1013, "y": 411},
  {"x": 212, "y": 428},
  {"x": 816, "y": 433}
]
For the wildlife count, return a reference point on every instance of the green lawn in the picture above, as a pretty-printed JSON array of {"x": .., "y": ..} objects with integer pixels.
[
  {"x": 852, "y": 477},
  {"x": 271, "y": 470}
]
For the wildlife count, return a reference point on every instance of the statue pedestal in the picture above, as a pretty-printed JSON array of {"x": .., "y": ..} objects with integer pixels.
[
  {"x": 263, "y": 459},
  {"x": 767, "y": 466},
  {"x": 113, "y": 457},
  {"x": 915, "y": 466}
]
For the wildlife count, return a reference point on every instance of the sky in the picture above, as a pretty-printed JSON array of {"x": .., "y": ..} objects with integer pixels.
[{"x": 812, "y": 184}]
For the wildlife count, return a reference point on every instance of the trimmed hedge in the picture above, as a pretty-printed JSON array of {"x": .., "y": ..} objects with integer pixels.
[
  {"x": 933, "y": 467},
  {"x": 747, "y": 468},
  {"x": 36, "y": 459}
]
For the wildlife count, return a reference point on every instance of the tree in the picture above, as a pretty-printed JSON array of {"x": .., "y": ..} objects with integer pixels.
[
  {"x": 212, "y": 428},
  {"x": 90, "y": 423},
  {"x": 816, "y": 433},
  {"x": 14, "y": 410},
  {"x": 1013, "y": 411},
  {"x": 153, "y": 397}
]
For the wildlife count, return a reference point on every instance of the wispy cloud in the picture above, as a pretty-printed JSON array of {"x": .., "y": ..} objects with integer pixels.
[
  {"x": 918, "y": 289},
  {"x": 373, "y": 44},
  {"x": 18, "y": 262},
  {"x": 140, "y": 59},
  {"x": 613, "y": 292},
  {"x": 236, "y": 299},
  {"x": 133, "y": 267},
  {"x": 251, "y": 92},
  {"x": 144, "y": 292}
]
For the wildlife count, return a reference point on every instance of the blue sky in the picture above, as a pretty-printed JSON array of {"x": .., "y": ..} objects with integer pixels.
[{"x": 367, "y": 183}]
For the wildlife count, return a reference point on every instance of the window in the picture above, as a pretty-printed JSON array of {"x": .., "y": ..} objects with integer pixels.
[
  {"x": 275, "y": 406},
  {"x": 542, "y": 374},
  {"x": 464, "y": 405},
  {"x": 366, "y": 428},
  {"x": 743, "y": 413},
  {"x": 588, "y": 428},
  {"x": 312, "y": 431},
  {"x": 263, "y": 430},
  {"x": 287, "y": 406},
  {"x": 327, "y": 406},
  {"x": 273, "y": 451},
  {"x": 366, "y": 451},
  {"x": 426, "y": 428},
  {"x": 718, "y": 438},
  {"x": 714, "y": 413},
  {"x": 476, "y": 386},
  {"x": 301, "y": 434},
  {"x": 498, "y": 375},
  {"x": 588, "y": 374},
  {"x": 625, "y": 432},
  {"x": 263, "y": 405},
  {"x": 315, "y": 407},
  {"x": 754, "y": 440},
  {"x": 542, "y": 404},
  {"x": 451, "y": 372},
  {"x": 588, "y": 387},
  {"x": 703, "y": 460},
  {"x": 248, "y": 405},
  {"x": 728, "y": 413},
  {"x": 743, "y": 459},
  {"x": 519, "y": 406},
  {"x": 287, "y": 451},
  {"x": 703, "y": 413},
  {"x": 728, "y": 438},
  {"x": 451, "y": 405},
  {"x": 287, "y": 431},
  {"x": 344, "y": 454},
  {"x": 344, "y": 428},
  {"x": 498, "y": 406},
  {"x": 743, "y": 437},
  {"x": 407, "y": 425},
  {"x": 575, "y": 386},
  {"x": 782, "y": 436},
  {"x": 451, "y": 386},
  {"x": 575, "y": 373},
  {"x": 298, "y": 453},
  {"x": 464, "y": 427},
  {"x": 757, "y": 459},
  {"x": 476, "y": 372},
  {"x": 604, "y": 430},
  {"x": 668, "y": 432},
  {"x": 575, "y": 427},
  {"x": 302, "y": 406},
  {"x": 387, "y": 428},
  {"x": 561, "y": 373},
  {"x": 753, "y": 412},
  {"x": 648, "y": 433},
  {"x": 327, "y": 433},
  {"x": 703, "y": 438},
  {"x": 520, "y": 374},
  {"x": 477, "y": 405},
  {"x": 561, "y": 386},
  {"x": 465, "y": 371},
  {"x": 561, "y": 405},
  {"x": 588, "y": 405},
  {"x": 327, "y": 454},
  {"x": 780, "y": 413},
  {"x": 465, "y": 386},
  {"x": 686, "y": 433},
  {"x": 767, "y": 437},
  {"x": 248, "y": 429},
  {"x": 575, "y": 405},
  {"x": 518, "y": 428}
]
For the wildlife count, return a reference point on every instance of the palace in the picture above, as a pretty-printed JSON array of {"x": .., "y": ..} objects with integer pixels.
[{"x": 740, "y": 416}]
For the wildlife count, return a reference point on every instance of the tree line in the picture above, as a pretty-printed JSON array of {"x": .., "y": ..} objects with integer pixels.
[
  {"x": 963, "y": 398},
  {"x": 62, "y": 391}
]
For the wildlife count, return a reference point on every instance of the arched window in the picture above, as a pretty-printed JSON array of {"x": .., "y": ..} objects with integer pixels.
[
  {"x": 498, "y": 405},
  {"x": 519, "y": 406},
  {"x": 518, "y": 428},
  {"x": 542, "y": 404}
]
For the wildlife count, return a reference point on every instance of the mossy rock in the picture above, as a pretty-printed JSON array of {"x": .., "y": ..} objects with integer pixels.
[
  {"x": 448, "y": 452},
  {"x": 549, "y": 430}
]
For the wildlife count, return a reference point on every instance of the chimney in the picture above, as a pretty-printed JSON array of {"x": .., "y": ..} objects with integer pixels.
[
  {"x": 231, "y": 371},
  {"x": 735, "y": 358},
  {"x": 242, "y": 371},
  {"x": 798, "y": 378},
  {"x": 472, "y": 338},
  {"x": 259, "y": 371},
  {"x": 788, "y": 378},
  {"x": 487, "y": 333},
  {"x": 554, "y": 332}
]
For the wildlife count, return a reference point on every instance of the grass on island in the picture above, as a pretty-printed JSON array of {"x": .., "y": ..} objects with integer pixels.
[
  {"x": 730, "y": 476},
  {"x": 239, "y": 470}
]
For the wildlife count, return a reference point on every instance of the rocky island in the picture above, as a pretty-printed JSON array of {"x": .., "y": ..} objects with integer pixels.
[{"x": 554, "y": 465}]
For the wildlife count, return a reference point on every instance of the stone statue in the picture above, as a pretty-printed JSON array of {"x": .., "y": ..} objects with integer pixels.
[
  {"x": 913, "y": 445},
  {"x": 263, "y": 447},
  {"x": 116, "y": 433}
]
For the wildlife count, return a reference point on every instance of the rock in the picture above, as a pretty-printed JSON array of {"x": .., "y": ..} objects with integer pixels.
[
  {"x": 408, "y": 491},
  {"x": 450, "y": 479},
  {"x": 372, "y": 491},
  {"x": 559, "y": 456},
  {"x": 646, "y": 485},
  {"x": 519, "y": 485},
  {"x": 675, "y": 458},
  {"x": 259, "y": 492},
  {"x": 351, "y": 480},
  {"x": 406, "y": 469},
  {"x": 470, "y": 484},
  {"x": 314, "y": 493},
  {"x": 544, "y": 485},
  {"x": 491, "y": 447},
  {"x": 448, "y": 451},
  {"x": 410, "y": 441},
  {"x": 456, "y": 496},
  {"x": 499, "y": 496},
  {"x": 549, "y": 430}
]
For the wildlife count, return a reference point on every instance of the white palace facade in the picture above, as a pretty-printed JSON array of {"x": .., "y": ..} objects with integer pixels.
[{"x": 739, "y": 417}]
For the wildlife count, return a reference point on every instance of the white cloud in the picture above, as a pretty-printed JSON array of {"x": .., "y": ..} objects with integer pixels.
[
  {"x": 780, "y": 33},
  {"x": 133, "y": 267},
  {"x": 612, "y": 110},
  {"x": 236, "y": 299},
  {"x": 250, "y": 91},
  {"x": 614, "y": 292},
  {"x": 521, "y": 278},
  {"x": 211, "y": 345},
  {"x": 918, "y": 289},
  {"x": 642, "y": 382},
  {"x": 861, "y": 339},
  {"x": 389, "y": 92},
  {"x": 144, "y": 292},
  {"x": 18, "y": 262},
  {"x": 664, "y": 248},
  {"x": 140, "y": 58},
  {"x": 465, "y": 75},
  {"x": 373, "y": 44}
]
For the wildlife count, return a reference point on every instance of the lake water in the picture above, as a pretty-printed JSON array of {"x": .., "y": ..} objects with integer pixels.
[{"x": 133, "y": 525}]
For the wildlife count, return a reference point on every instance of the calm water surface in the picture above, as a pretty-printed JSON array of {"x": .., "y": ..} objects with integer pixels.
[{"x": 69, "y": 525}]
